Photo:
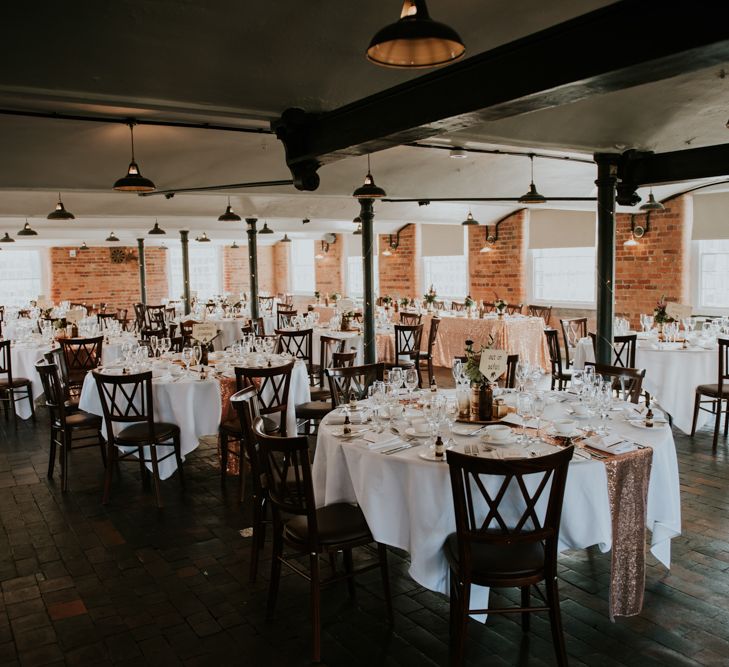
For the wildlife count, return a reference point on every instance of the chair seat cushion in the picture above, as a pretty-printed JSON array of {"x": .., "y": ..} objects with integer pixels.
[
  {"x": 319, "y": 394},
  {"x": 16, "y": 383},
  {"x": 231, "y": 427},
  {"x": 81, "y": 419},
  {"x": 337, "y": 524},
  {"x": 491, "y": 561},
  {"x": 712, "y": 390},
  {"x": 313, "y": 409},
  {"x": 138, "y": 433}
]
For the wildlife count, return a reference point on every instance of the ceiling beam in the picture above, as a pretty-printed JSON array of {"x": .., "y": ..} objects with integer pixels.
[{"x": 626, "y": 44}]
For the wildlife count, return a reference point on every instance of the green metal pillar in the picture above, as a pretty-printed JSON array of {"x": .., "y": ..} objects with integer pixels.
[
  {"x": 253, "y": 264},
  {"x": 142, "y": 272},
  {"x": 368, "y": 272},
  {"x": 607, "y": 169},
  {"x": 184, "y": 243}
]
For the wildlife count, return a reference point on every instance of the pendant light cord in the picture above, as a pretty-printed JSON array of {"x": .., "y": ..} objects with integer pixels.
[{"x": 131, "y": 130}]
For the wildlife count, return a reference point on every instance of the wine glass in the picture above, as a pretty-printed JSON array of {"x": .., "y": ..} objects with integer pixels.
[
  {"x": 196, "y": 355},
  {"x": 578, "y": 382},
  {"x": 605, "y": 402},
  {"x": 524, "y": 410},
  {"x": 522, "y": 373},
  {"x": 153, "y": 343},
  {"x": 126, "y": 351},
  {"x": 165, "y": 345},
  {"x": 538, "y": 405},
  {"x": 187, "y": 357},
  {"x": 451, "y": 411},
  {"x": 396, "y": 378},
  {"x": 457, "y": 369},
  {"x": 411, "y": 381}
]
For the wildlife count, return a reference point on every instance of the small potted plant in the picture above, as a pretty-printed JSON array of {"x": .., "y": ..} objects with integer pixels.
[
  {"x": 335, "y": 296},
  {"x": 346, "y": 324},
  {"x": 469, "y": 304},
  {"x": 404, "y": 301},
  {"x": 500, "y": 306},
  {"x": 481, "y": 391},
  {"x": 430, "y": 298},
  {"x": 660, "y": 316}
]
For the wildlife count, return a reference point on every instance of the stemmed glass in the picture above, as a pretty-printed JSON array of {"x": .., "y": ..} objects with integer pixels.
[
  {"x": 457, "y": 370},
  {"x": 578, "y": 383},
  {"x": 524, "y": 410},
  {"x": 451, "y": 411},
  {"x": 196, "y": 355},
  {"x": 538, "y": 405},
  {"x": 522, "y": 373},
  {"x": 153, "y": 343},
  {"x": 396, "y": 378},
  {"x": 165, "y": 345},
  {"x": 411, "y": 381},
  {"x": 126, "y": 351},
  {"x": 605, "y": 401},
  {"x": 187, "y": 357}
]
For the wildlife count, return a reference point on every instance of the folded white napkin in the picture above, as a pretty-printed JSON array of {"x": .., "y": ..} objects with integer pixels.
[
  {"x": 612, "y": 444},
  {"x": 380, "y": 440},
  {"x": 337, "y": 418},
  {"x": 516, "y": 420}
]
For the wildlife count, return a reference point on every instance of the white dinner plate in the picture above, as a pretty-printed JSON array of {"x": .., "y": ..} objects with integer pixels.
[
  {"x": 416, "y": 434},
  {"x": 429, "y": 455},
  {"x": 639, "y": 423},
  {"x": 490, "y": 441},
  {"x": 338, "y": 431}
]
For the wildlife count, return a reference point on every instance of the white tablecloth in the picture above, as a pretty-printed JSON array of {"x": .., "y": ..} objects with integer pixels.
[
  {"x": 408, "y": 502},
  {"x": 671, "y": 376}
]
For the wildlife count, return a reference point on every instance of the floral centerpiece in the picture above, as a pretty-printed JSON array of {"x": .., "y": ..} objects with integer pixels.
[
  {"x": 481, "y": 392},
  {"x": 660, "y": 316},
  {"x": 347, "y": 320},
  {"x": 500, "y": 306},
  {"x": 468, "y": 302},
  {"x": 404, "y": 301},
  {"x": 430, "y": 297},
  {"x": 317, "y": 295},
  {"x": 335, "y": 296},
  {"x": 387, "y": 300}
]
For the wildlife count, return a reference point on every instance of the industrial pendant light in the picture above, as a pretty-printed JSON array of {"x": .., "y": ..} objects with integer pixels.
[
  {"x": 470, "y": 220},
  {"x": 652, "y": 204},
  {"x": 229, "y": 215},
  {"x": 204, "y": 238},
  {"x": 415, "y": 40},
  {"x": 358, "y": 231},
  {"x": 27, "y": 230},
  {"x": 83, "y": 246},
  {"x": 60, "y": 213},
  {"x": 532, "y": 196},
  {"x": 486, "y": 248},
  {"x": 133, "y": 181},
  {"x": 156, "y": 230},
  {"x": 112, "y": 238},
  {"x": 286, "y": 239},
  {"x": 235, "y": 246},
  {"x": 368, "y": 190},
  {"x": 266, "y": 229},
  {"x": 7, "y": 239}
]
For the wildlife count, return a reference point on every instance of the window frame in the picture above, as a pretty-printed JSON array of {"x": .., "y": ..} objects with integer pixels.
[
  {"x": 43, "y": 273},
  {"x": 292, "y": 269},
  {"x": 441, "y": 295},
  {"x": 219, "y": 271},
  {"x": 558, "y": 303},
  {"x": 695, "y": 277}
]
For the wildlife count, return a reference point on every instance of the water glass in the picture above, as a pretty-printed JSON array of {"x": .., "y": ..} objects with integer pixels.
[{"x": 524, "y": 410}]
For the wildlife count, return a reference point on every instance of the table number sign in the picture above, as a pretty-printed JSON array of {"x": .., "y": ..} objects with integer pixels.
[
  {"x": 493, "y": 364},
  {"x": 204, "y": 332},
  {"x": 74, "y": 315},
  {"x": 678, "y": 311}
]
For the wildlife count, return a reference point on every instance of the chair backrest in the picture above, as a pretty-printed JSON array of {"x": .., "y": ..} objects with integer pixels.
[
  {"x": 433, "y": 333},
  {"x": 265, "y": 302},
  {"x": 407, "y": 340},
  {"x": 210, "y": 307},
  {"x": 514, "y": 309},
  {"x": 288, "y": 477},
  {"x": 623, "y": 349},
  {"x": 80, "y": 356},
  {"x": 246, "y": 329},
  {"x": 555, "y": 356},
  {"x": 342, "y": 359},
  {"x": 126, "y": 399},
  {"x": 633, "y": 378},
  {"x": 572, "y": 330},
  {"x": 458, "y": 306},
  {"x": 481, "y": 485},
  {"x": 104, "y": 318},
  {"x": 545, "y": 312},
  {"x": 439, "y": 305},
  {"x": 6, "y": 364},
  {"x": 245, "y": 403},
  {"x": 353, "y": 379},
  {"x": 139, "y": 316},
  {"x": 723, "y": 363},
  {"x": 283, "y": 317},
  {"x": 53, "y": 390},
  {"x": 272, "y": 385},
  {"x": 328, "y": 345},
  {"x": 410, "y": 318},
  {"x": 258, "y": 327},
  {"x": 508, "y": 378},
  {"x": 298, "y": 343}
]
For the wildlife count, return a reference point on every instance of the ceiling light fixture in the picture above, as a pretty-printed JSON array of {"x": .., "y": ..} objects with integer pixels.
[
  {"x": 203, "y": 239},
  {"x": 83, "y": 246},
  {"x": 265, "y": 229},
  {"x": 470, "y": 220},
  {"x": 305, "y": 221},
  {"x": 286, "y": 239},
  {"x": 491, "y": 238},
  {"x": 134, "y": 181},
  {"x": 112, "y": 238},
  {"x": 156, "y": 230},
  {"x": 27, "y": 230},
  {"x": 393, "y": 243},
  {"x": 638, "y": 231},
  {"x": 230, "y": 215},
  {"x": 458, "y": 153},
  {"x": 235, "y": 246},
  {"x": 60, "y": 213},
  {"x": 652, "y": 204},
  {"x": 532, "y": 196},
  {"x": 368, "y": 190},
  {"x": 7, "y": 239},
  {"x": 415, "y": 40},
  {"x": 358, "y": 231}
]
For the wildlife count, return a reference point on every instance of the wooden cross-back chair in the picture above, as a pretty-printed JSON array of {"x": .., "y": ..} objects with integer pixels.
[
  {"x": 104, "y": 318},
  {"x": 13, "y": 388},
  {"x": 501, "y": 538},
  {"x": 715, "y": 395},
  {"x": 514, "y": 309},
  {"x": 633, "y": 378},
  {"x": 573, "y": 330},
  {"x": 80, "y": 355},
  {"x": 139, "y": 317},
  {"x": 258, "y": 326},
  {"x": 426, "y": 356},
  {"x": 407, "y": 346},
  {"x": 298, "y": 343},
  {"x": 624, "y": 348},
  {"x": 272, "y": 385},
  {"x": 265, "y": 303},
  {"x": 284, "y": 317},
  {"x": 458, "y": 306},
  {"x": 410, "y": 318},
  {"x": 311, "y": 531},
  {"x": 545, "y": 312},
  {"x": 560, "y": 375},
  {"x": 154, "y": 322},
  {"x": 353, "y": 379},
  {"x": 127, "y": 403}
]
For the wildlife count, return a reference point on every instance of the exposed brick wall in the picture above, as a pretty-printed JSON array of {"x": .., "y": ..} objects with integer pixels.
[
  {"x": 501, "y": 272},
  {"x": 280, "y": 282},
  {"x": 330, "y": 269},
  {"x": 236, "y": 275},
  {"x": 659, "y": 265},
  {"x": 91, "y": 277},
  {"x": 400, "y": 274}
]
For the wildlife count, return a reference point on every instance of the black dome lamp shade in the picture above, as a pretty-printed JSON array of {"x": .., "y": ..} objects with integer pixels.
[
  {"x": 415, "y": 40},
  {"x": 652, "y": 204},
  {"x": 266, "y": 229},
  {"x": 27, "y": 230},
  {"x": 230, "y": 215},
  {"x": 368, "y": 190},
  {"x": 532, "y": 196},
  {"x": 156, "y": 230},
  {"x": 60, "y": 213},
  {"x": 112, "y": 238},
  {"x": 7, "y": 239},
  {"x": 470, "y": 220},
  {"x": 134, "y": 181}
]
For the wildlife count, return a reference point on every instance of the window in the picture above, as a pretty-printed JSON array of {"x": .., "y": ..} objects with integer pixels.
[
  {"x": 204, "y": 271},
  {"x": 20, "y": 277},
  {"x": 563, "y": 275},
  {"x": 303, "y": 274},
  {"x": 714, "y": 274},
  {"x": 355, "y": 279},
  {"x": 447, "y": 275}
]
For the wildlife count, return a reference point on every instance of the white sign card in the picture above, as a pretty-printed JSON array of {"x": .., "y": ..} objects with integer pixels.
[
  {"x": 493, "y": 364},
  {"x": 204, "y": 331},
  {"x": 74, "y": 315},
  {"x": 678, "y": 311}
]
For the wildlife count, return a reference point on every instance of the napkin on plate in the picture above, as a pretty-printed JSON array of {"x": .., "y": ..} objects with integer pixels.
[
  {"x": 516, "y": 420},
  {"x": 612, "y": 444},
  {"x": 337, "y": 418},
  {"x": 380, "y": 440}
]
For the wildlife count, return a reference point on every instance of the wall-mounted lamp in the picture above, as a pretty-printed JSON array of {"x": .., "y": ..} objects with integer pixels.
[
  {"x": 491, "y": 237},
  {"x": 393, "y": 243},
  {"x": 638, "y": 231},
  {"x": 326, "y": 242}
]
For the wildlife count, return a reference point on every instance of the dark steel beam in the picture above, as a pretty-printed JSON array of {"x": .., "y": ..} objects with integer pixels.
[
  {"x": 253, "y": 265},
  {"x": 640, "y": 169},
  {"x": 367, "y": 214},
  {"x": 142, "y": 272},
  {"x": 184, "y": 245},
  {"x": 215, "y": 188},
  {"x": 600, "y": 52},
  {"x": 607, "y": 177}
]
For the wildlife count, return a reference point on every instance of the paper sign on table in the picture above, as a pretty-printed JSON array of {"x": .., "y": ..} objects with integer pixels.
[
  {"x": 493, "y": 364},
  {"x": 678, "y": 311},
  {"x": 74, "y": 315},
  {"x": 204, "y": 331}
]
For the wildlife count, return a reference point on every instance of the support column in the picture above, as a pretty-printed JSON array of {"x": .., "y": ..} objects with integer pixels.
[
  {"x": 607, "y": 170},
  {"x": 184, "y": 243},
  {"x": 253, "y": 264},
  {"x": 368, "y": 272},
  {"x": 142, "y": 272}
]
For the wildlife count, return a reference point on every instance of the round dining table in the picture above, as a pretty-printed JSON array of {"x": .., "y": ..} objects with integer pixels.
[{"x": 408, "y": 503}]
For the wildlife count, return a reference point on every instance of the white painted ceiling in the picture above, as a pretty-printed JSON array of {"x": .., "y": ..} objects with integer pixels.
[{"x": 244, "y": 63}]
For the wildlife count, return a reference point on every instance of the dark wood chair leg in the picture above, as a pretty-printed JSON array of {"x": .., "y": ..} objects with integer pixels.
[
  {"x": 717, "y": 425},
  {"x": 112, "y": 456},
  {"x": 241, "y": 479},
  {"x": 11, "y": 406},
  {"x": 223, "y": 438},
  {"x": 65, "y": 446},
  {"x": 256, "y": 540},
  {"x": 315, "y": 609},
  {"x": 726, "y": 420},
  {"x": 52, "y": 454},
  {"x": 142, "y": 468},
  {"x": 349, "y": 569},
  {"x": 102, "y": 447},
  {"x": 697, "y": 401},
  {"x": 32, "y": 402},
  {"x": 555, "y": 620},
  {"x": 461, "y": 624},
  {"x": 385, "y": 573},
  {"x": 155, "y": 474},
  {"x": 178, "y": 458},
  {"x": 525, "y": 616},
  {"x": 275, "y": 570}
]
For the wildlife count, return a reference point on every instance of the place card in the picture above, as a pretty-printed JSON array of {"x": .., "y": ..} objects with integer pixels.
[
  {"x": 74, "y": 315},
  {"x": 678, "y": 311}
]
